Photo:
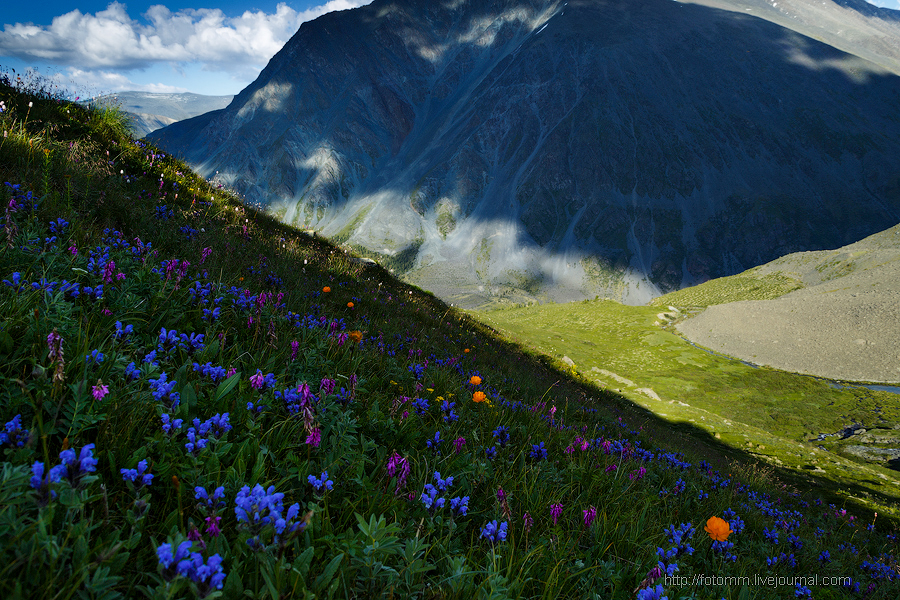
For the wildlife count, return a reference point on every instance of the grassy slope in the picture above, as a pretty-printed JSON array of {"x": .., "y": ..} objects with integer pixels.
[
  {"x": 99, "y": 536},
  {"x": 773, "y": 413}
]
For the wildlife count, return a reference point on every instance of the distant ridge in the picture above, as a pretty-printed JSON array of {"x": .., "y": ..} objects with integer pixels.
[
  {"x": 151, "y": 111},
  {"x": 546, "y": 150}
]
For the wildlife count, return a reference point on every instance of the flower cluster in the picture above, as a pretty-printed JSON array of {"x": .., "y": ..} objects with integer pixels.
[
  {"x": 132, "y": 475},
  {"x": 494, "y": 532}
]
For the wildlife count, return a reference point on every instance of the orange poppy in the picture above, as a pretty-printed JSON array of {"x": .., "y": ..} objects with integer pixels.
[
  {"x": 475, "y": 380},
  {"x": 349, "y": 305},
  {"x": 356, "y": 336},
  {"x": 478, "y": 397},
  {"x": 326, "y": 289},
  {"x": 466, "y": 350}
]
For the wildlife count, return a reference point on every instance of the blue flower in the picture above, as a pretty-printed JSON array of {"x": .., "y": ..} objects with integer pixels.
[
  {"x": 502, "y": 435},
  {"x": 167, "y": 557},
  {"x": 538, "y": 452},
  {"x": 132, "y": 474},
  {"x": 94, "y": 358},
  {"x": 321, "y": 483},
  {"x": 493, "y": 532},
  {"x": 12, "y": 434},
  {"x": 460, "y": 505}
]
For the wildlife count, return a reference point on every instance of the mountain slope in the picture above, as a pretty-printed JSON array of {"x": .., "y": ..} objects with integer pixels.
[{"x": 541, "y": 149}]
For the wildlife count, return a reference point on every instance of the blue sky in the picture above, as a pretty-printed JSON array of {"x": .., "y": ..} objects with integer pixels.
[{"x": 198, "y": 46}]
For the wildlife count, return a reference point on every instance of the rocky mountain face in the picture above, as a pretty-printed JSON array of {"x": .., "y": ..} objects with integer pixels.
[
  {"x": 150, "y": 111},
  {"x": 531, "y": 149}
]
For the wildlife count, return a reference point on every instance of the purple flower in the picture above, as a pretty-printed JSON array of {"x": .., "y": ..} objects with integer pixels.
[
  {"x": 528, "y": 521},
  {"x": 99, "y": 391},
  {"x": 212, "y": 526},
  {"x": 314, "y": 438},
  {"x": 556, "y": 511},
  {"x": 590, "y": 514}
]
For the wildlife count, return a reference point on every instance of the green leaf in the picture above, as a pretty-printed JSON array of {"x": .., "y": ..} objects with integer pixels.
[
  {"x": 226, "y": 386},
  {"x": 327, "y": 575}
]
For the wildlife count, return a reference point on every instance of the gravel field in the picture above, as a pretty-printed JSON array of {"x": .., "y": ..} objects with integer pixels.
[{"x": 844, "y": 325}]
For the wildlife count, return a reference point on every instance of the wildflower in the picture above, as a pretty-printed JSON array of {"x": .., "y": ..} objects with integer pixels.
[
  {"x": 132, "y": 474},
  {"x": 99, "y": 391},
  {"x": 212, "y": 526},
  {"x": 167, "y": 557},
  {"x": 355, "y": 335},
  {"x": 435, "y": 442},
  {"x": 12, "y": 433},
  {"x": 478, "y": 397},
  {"x": 458, "y": 443},
  {"x": 326, "y": 289},
  {"x": 493, "y": 532},
  {"x": 214, "y": 501},
  {"x": 168, "y": 426},
  {"x": 349, "y": 305},
  {"x": 294, "y": 346},
  {"x": 78, "y": 467},
  {"x": 262, "y": 383},
  {"x": 430, "y": 500},
  {"x": 94, "y": 358},
  {"x": 442, "y": 484},
  {"x": 321, "y": 483},
  {"x": 460, "y": 505},
  {"x": 556, "y": 511},
  {"x": 528, "y": 521},
  {"x": 475, "y": 380},
  {"x": 651, "y": 593},
  {"x": 590, "y": 514},
  {"x": 314, "y": 438},
  {"x": 42, "y": 483},
  {"x": 491, "y": 453},
  {"x": 538, "y": 451},
  {"x": 502, "y": 435},
  {"x": 398, "y": 466}
]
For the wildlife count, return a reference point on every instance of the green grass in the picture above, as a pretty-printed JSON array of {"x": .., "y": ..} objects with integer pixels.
[
  {"x": 231, "y": 306},
  {"x": 772, "y": 413},
  {"x": 744, "y": 286}
]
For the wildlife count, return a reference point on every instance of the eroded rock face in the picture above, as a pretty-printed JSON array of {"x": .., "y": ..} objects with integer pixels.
[{"x": 562, "y": 149}]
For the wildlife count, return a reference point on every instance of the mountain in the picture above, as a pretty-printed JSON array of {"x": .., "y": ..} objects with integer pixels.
[
  {"x": 151, "y": 111},
  {"x": 538, "y": 149}
]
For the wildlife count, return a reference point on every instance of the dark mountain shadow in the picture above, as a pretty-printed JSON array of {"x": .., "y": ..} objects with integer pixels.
[{"x": 677, "y": 141}]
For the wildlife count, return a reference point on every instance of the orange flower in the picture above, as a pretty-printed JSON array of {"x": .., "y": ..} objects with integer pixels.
[
  {"x": 478, "y": 397},
  {"x": 718, "y": 529},
  {"x": 349, "y": 305},
  {"x": 175, "y": 481},
  {"x": 466, "y": 350},
  {"x": 356, "y": 336},
  {"x": 475, "y": 380},
  {"x": 326, "y": 289}
]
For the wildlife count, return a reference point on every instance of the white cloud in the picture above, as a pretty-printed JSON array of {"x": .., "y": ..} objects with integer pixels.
[{"x": 110, "y": 40}]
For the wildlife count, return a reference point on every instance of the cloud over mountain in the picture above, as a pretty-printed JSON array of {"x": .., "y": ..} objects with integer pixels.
[{"x": 112, "y": 40}]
